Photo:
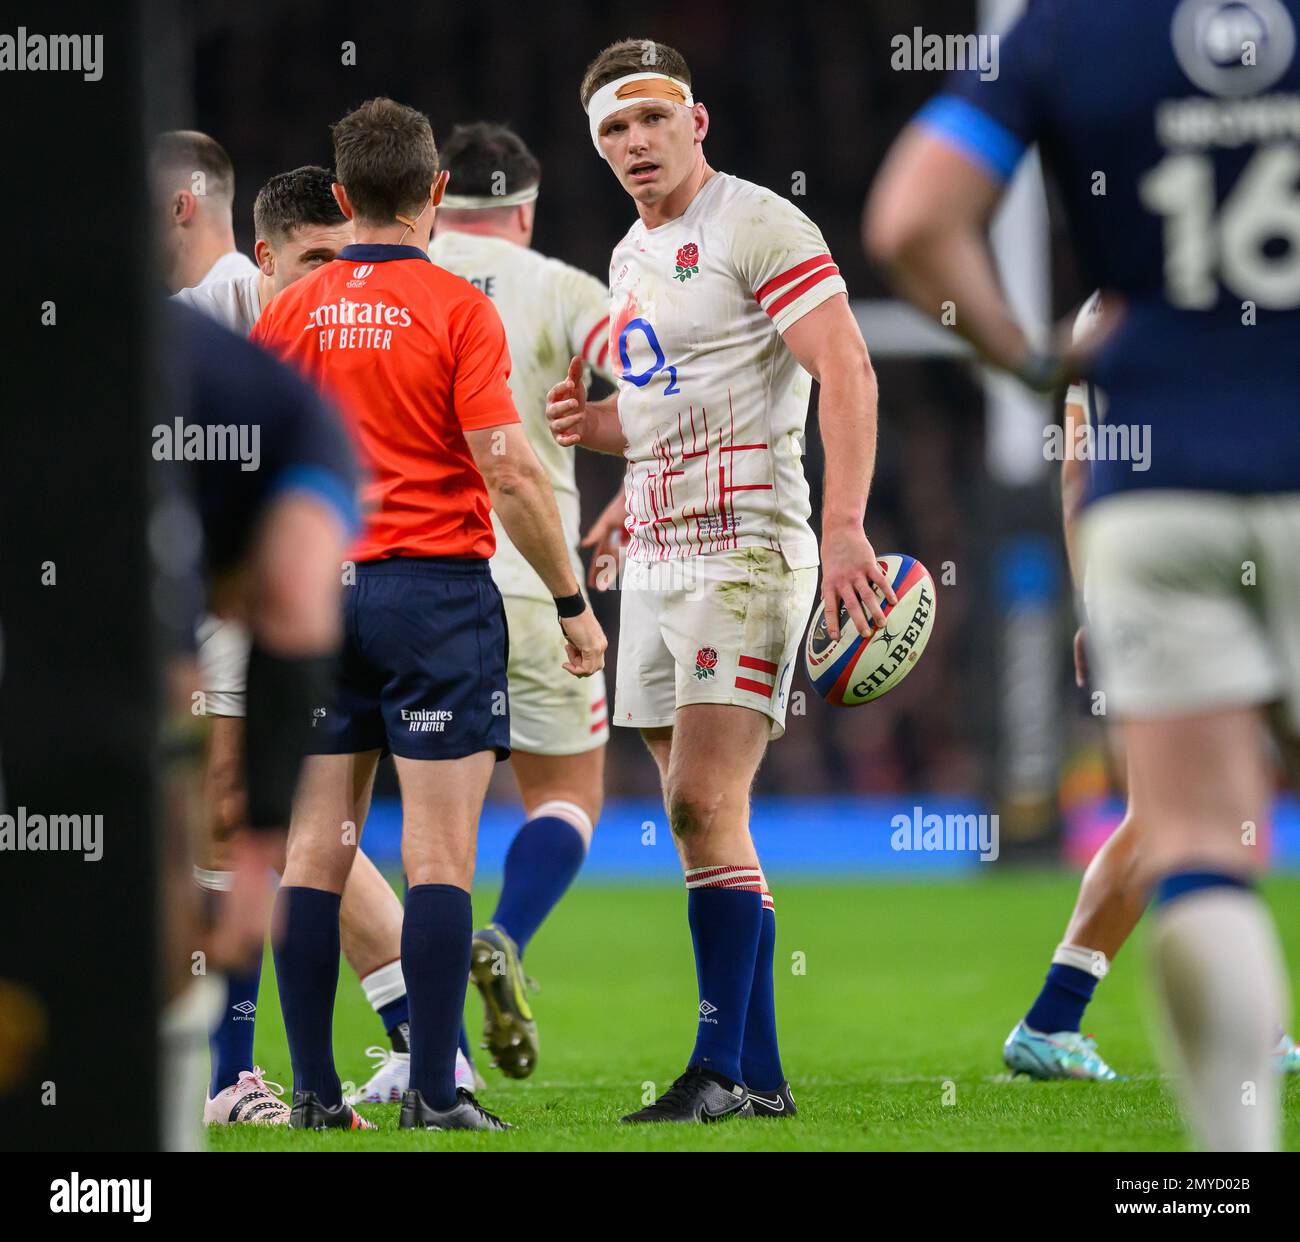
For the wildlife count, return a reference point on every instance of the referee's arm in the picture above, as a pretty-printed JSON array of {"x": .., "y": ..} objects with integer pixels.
[{"x": 522, "y": 497}]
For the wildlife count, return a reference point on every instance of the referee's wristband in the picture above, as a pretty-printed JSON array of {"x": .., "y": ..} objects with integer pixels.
[{"x": 567, "y": 606}]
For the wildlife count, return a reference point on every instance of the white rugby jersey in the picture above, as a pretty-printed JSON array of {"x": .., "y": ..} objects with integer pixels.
[
  {"x": 711, "y": 401},
  {"x": 551, "y": 313},
  {"x": 231, "y": 265},
  {"x": 236, "y": 303}
]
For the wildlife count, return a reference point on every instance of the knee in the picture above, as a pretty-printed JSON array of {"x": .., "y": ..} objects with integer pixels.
[
  {"x": 314, "y": 860},
  {"x": 692, "y": 808},
  {"x": 428, "y": 861}
]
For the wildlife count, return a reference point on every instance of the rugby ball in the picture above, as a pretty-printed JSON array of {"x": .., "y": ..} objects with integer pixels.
[{"x": 859, "y": 668}]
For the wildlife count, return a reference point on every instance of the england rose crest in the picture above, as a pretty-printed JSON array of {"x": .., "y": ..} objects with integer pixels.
[
  {"x": 706, "y": 660},
  {"x": 688, "y": 261}
]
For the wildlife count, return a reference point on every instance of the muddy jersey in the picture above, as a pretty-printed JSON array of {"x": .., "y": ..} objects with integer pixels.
[
  {"x": 711, "y": 401},
  {"x": 552, "y": 312}
]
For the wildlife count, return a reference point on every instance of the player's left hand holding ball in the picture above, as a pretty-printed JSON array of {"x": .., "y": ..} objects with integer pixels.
[{"x": 850, "y": 569}]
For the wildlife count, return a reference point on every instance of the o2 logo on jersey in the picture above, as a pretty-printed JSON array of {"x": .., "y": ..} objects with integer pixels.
[
  {"x": 642, "y": 378},
  {"x": 1233, "y": 48}
]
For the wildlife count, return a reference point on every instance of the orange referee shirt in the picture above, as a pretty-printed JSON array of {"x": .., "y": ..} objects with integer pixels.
[{"x": 414, "y": 357}]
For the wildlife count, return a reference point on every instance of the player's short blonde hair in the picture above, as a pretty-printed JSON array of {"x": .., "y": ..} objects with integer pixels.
[{"x": 632, "y": 56}]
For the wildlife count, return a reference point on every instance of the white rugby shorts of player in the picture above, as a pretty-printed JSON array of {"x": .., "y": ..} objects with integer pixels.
[
  {"x": 551, "y": 711},
  {"x": 223, "y": 666},
  {"x": 1191, "y": 601},
  {"x": 722, "y": 627}
]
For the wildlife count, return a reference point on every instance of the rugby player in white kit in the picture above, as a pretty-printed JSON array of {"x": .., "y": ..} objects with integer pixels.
[
  {"x": 558, "y": 725},
  {"x": 724, "y": 301},
  {"x": 193, "y": 186}
]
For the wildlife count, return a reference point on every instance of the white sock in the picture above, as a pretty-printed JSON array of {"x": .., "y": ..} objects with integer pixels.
[
  {"x": 385, "y": 985},
  {"x": 187, "y": 1021},
  {"x": 1093, "y": 961},
  {"x": 214, "y": 881},
  {"x": 1220, "y": 980}
]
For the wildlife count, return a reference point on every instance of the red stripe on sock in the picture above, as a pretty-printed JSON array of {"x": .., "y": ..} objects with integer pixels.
[
  {"x": 700, "y": 873},
  {"x": 745, "y": 886}
]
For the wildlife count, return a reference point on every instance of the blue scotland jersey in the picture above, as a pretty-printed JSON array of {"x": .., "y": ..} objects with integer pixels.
[{"x": 1172, "y": 128}]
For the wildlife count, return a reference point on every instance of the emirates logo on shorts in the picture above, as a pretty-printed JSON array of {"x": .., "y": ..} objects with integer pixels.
[{"x": 706, "y": 660}]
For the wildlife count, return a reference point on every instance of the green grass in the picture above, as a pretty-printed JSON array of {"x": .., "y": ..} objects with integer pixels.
[{"x": 905, "y": 995}]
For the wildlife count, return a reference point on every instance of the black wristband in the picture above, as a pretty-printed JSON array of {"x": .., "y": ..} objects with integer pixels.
[
  {"x": 283, "y": 693},
  {"x": 1041, "y": 370},
  {"x": 570, "y": 605}
]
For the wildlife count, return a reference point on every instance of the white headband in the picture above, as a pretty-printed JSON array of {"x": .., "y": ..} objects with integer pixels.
[
  {"x": 634, "y": 88},
  {"x": 472, "y": 202}
]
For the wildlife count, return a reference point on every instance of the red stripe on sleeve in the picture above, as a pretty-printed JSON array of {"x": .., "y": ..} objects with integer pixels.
[
  {"x": 800, "y": 289},
  {"x": 744, "y": 683},
  {"x": 591, "y": 336},
  {"x": 791, "y": 273},
  {"x": 763, "y": 666}
]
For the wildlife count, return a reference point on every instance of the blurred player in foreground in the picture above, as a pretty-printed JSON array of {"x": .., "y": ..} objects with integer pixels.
[
  {"x": 193, "y": 184},
  {"x": 558, "y": 726},
  {"x": 298, "y": 226},
  {"x": 417, "y": 360},
  {"x": 272, "y": 539},
  {"x": 1194, "y": 584},
  {"x": 725, "y": 300},
  {"x": 1048, "y": 1042}
]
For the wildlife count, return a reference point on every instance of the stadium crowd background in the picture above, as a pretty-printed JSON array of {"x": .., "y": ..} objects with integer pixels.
[{"x": 813, "y": 95}]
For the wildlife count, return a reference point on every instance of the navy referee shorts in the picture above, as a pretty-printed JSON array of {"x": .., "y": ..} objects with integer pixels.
[{"x": 422, "y": 671}]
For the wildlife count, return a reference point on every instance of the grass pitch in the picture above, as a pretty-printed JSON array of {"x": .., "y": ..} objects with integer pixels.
[{"x": 892, "y": 998}]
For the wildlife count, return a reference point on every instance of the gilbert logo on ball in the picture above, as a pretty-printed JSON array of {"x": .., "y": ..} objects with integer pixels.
[{"x": 859, "y": 668}]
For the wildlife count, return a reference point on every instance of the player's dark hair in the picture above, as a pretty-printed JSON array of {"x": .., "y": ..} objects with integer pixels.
[
  {"x": 290, "y": 199},
  {"x": 631, "y": 56},
  {"x": 476, "y": 153},
  {"x": 386, "y": 159},
  {"x": 180, "y": 153}
]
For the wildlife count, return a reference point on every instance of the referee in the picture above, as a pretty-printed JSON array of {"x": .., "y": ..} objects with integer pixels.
[{"x": 416, "y": 359}]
